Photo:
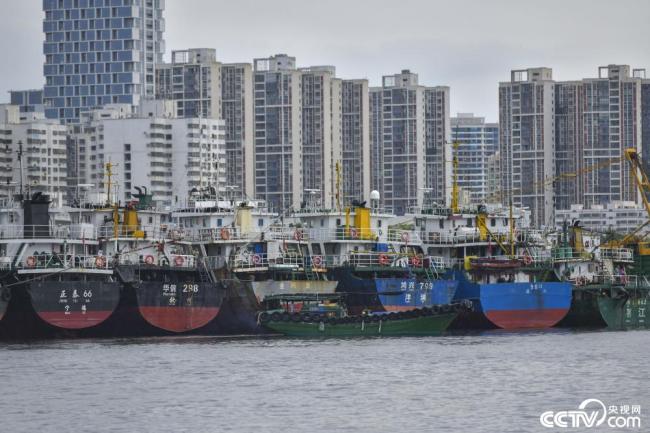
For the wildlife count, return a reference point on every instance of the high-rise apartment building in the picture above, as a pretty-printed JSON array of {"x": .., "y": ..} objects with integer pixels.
[
  {"x": 568, "y": 189},
  {"x": 32, "y": 153},
  {"x": 527, "y": 141},
  {"x": 99, "y": 52},
  {"x": 611, "y": 123},
  {"x": 493, "y": 184},
  {"x": 278, "y": 131},
  {"x": 298, "y": 133},
  {"x": 437, "y": 128},
  {"x": 401, "y": 145},
  {"x": 409, "y": 130},
  {"x": 203, "y": 87},
  {"x": 237, "y": 113},
  {"x": 321, "y": 132},
  {"x": 595, "y": 120},
  {"x": 170, "y": 156},
  {"x": 193, "y": 81},
  {"x": 376, "y": 126},
  {"x": 355, "y": 142},
  {"x": 645, "y": 118},
  {"x": 477, "y": 141}
]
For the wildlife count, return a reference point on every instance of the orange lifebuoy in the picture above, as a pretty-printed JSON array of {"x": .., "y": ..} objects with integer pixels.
[
  {"x": 527, "y": 260},
  {"x": 354, "y": 233},
  {"x": 179, "y": 260},
  {"x": 31, "y": 261},
  {"x": 317, "y": 261},
  {"x": 257, "y": 259},
  {"x": 100, "y": 261},
  {"x": 225, "y": 234},
  {"x": 415, "y": 261},
  {"x": 405, "y": 237},
  {"x": 383, "y": 259},
  {"x": 298, "y": 235},
  {"x": 148, "y": 259}
]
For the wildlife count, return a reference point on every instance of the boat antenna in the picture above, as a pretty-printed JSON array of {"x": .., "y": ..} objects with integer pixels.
[
  {"x": 338, "y": 185},
  {"x": 20, "y": 161},
  {"x": 454, "y": 186},
  {"x": 109, "y": 178},
  {"x": 512, "y": 232}
]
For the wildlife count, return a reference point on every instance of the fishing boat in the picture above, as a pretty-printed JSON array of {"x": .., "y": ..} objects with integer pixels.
[
  {"x": 611, "y": 285},
  {"x": 327, "y": 316},
  {"x": 375, "y": 258},
  {"x": 501, "y": 266},
  {"x": 56, "y": 278}
]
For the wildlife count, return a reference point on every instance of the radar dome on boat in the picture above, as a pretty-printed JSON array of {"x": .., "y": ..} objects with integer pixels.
[{"x": 374, "y": 195}]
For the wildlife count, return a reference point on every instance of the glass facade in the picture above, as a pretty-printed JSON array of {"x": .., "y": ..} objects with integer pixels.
[
  {"x": 29, "y": 101},
  {"x": 478, "y": 142},
  {"x": 99, "y": 52}
]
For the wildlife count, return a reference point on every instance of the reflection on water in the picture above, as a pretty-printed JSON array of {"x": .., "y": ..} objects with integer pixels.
[{"x": 485, "y": 382}]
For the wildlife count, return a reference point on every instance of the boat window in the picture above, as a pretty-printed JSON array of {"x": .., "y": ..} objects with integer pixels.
[
  {"x": 219, "y": 222},
  {"x": 379, "y": 223},
  {"x": 338, "y": 221},
  {"x": 441, "y": 224},
  {"x": 469, "y": 222},
  {"x": 316, "y": 248},
  {"x": 493, "y": 222},
  {"x": 322, "y": 222},
  {"x": 260, "y": 222}
]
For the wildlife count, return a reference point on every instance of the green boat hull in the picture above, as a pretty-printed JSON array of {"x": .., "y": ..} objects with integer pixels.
[
  {"x": 417, "y": 326},
  {"x": 629, "y": 312},
  {"x": 584, "y": 311}
]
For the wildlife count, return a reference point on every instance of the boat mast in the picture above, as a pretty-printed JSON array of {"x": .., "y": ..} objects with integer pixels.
[
  {"x": 454, "y": 186},
  {"x": 337, "y": 167},
  {"x": 512, "y": 232}
]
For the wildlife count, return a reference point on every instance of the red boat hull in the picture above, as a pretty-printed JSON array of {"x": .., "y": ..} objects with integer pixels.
[
  {"x": 179, "y": 319},
  {"x": 74, "y": 304},
  {"x": 518, "y": 319},
  {"x": 179, "y": 306},
  {"x": 74, "y": 319}
]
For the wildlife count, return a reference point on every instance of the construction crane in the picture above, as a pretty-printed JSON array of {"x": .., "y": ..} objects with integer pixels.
[
  {"x": 640, "y": 178},
  {"x": 564, "y": 176}
]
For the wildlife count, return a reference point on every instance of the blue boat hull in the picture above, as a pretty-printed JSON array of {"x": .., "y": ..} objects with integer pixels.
[
  {"x": 408, "y": 294},
  {"x": 516, "y": 305},
  {"x": 399, "y": 293}
]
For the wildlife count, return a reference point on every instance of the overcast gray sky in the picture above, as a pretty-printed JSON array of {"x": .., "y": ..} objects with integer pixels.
[{"x": 465, "y": 44}]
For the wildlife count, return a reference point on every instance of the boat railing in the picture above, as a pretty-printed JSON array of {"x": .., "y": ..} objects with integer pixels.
[
  {"x": 403, "y": 236},
  {"x": 74, "y": 231},
  {"x": 373, "y": 259},
  {"x": 172, "y": 260},
  {"x": 617, "y": 254},
  {"x": 563, "y": 254},
  {"x": 133, "y": 232},
  {"x": 418, "y": 210},
  {"x": 209, "y": 235},
  {"x": 53, "y": 261},
  {"x": 284, "y": 262},
  {"x": 307, "y": 234},
  {"x": 623, "y": 280},
  {"x": 537, "y": 259},
  {"x": 451, "y": 238}
]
